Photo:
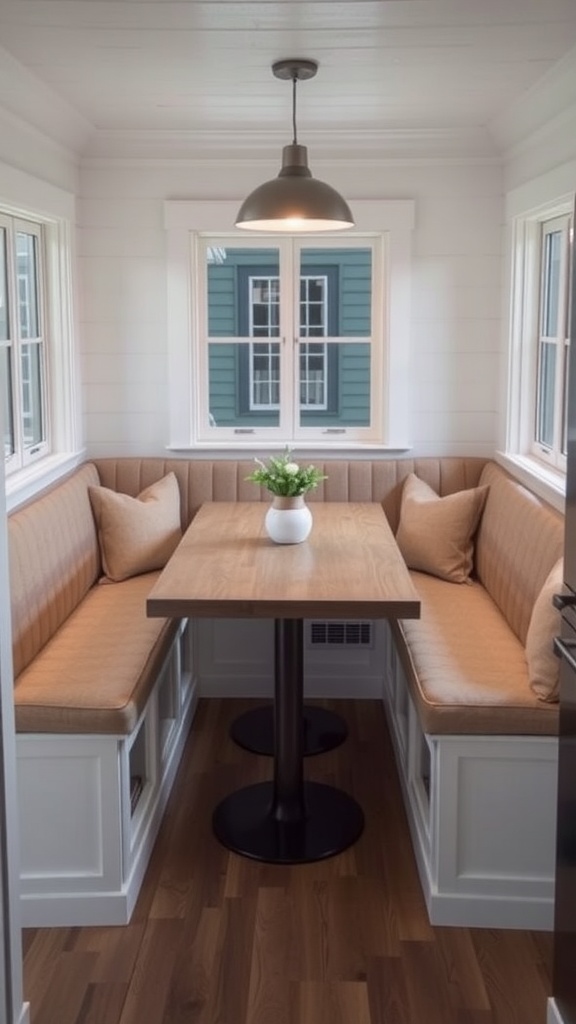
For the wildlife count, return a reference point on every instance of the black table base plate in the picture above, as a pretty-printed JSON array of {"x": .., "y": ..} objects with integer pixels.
[
  {"x": 254, "y": 730},
  {"x": 245, "y": 823}
]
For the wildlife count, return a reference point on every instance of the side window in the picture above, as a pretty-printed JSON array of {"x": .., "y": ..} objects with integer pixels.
[
  {"x": 539, "y": 343},
  {"x": 23, "y": 359},
  {"x": 553, "y": 341}
]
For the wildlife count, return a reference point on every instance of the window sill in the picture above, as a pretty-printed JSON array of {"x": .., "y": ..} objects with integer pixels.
[
  {"x": 24, "y": 484},
  {"x": 548, "y": 484},
  {"x": 224, "y": 449}
]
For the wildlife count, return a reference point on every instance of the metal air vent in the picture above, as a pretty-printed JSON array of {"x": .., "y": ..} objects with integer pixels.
[{"x": 340, "y": 634}]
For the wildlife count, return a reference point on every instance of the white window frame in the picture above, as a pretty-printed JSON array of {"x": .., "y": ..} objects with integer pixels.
[
  {"x": 306, "y": 384},
  {"x": 260, "y": 340},
  {"x": 25, "y": 453},
  {"x": 536, "y": 463},
  {"x": 25, "y": 197},
  {"x": 289, "y": 428},
  {"x": 314, "y": 339},
  {"x": 271, "y": 357},
  {"x": 554, "y": 453},
  {"x": 389, "y": 221}
]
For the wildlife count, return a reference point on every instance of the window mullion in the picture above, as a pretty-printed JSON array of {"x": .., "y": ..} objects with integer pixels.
[
  {"x": 30, "y": 286},
  {"x": 288, "y": 339},
  {"x": 562, "y": 343},
  {"x": 15, "y": 341}
]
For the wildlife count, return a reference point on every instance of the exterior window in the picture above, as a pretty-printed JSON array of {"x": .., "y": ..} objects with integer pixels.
[
  {"x": 553, "y": 341},
  {"x": 539, "y": 344},
  {"x": 289, "y": 294},
  {"x": 264, "y": 312},
  {"x": 313, "y": 356},
  {"x": 22, "y": 342},
  {"x": 264, "y": 307}
]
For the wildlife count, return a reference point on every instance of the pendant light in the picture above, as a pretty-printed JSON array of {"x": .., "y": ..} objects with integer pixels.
[{"x": 294, "y": 201}]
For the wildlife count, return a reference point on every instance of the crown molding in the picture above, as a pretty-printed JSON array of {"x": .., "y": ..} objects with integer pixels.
[
  {"x": 543, "y": 109},
  {"x": 38, "y": 108},
  {"x": 254, "y": 148},
  {"x": 12, "y": 124}
]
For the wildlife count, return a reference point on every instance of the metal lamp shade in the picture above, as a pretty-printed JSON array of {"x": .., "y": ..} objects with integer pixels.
[{"x": 294, "y": 201}]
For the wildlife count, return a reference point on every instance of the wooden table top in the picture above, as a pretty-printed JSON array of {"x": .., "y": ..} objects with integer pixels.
[{"x": 227, "y": 567}]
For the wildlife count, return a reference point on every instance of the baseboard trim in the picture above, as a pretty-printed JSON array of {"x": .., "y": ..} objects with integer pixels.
[{"x": 490, "y": 912}]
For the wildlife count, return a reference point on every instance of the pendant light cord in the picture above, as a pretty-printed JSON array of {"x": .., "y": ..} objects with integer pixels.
[{"x": 294, "y": 80}]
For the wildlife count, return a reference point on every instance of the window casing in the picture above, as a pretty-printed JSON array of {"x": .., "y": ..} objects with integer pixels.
[
  {"x": 49, "y": 213},
  {"x": 389, "y": 225},
  {"x": 539, "y": 340},
  {"x": 258, "y": 306},
  {"x": 553, "y": 341},
  {"x": 23, "y": 342}
]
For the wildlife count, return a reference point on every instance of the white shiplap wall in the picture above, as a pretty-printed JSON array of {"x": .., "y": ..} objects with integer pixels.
[{"x": 456, "y": 291}]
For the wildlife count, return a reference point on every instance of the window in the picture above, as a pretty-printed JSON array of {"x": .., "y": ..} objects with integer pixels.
[
  {"x": 259, "y": 370},
  {"x": 302, "y": 340},
  {"x": 259, "y": 306},
  {"x": 553, "y": 340},
  {"x": 22, "y": 341},
  {"x": 540, "y": 317},
  {"x": 39, "y": 386}
]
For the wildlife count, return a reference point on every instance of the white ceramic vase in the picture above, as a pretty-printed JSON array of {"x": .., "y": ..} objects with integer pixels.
[{"x": 288, "y": 520}]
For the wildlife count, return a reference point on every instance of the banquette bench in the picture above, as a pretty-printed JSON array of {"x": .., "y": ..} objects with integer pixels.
[{"x": 104, "y": 697}]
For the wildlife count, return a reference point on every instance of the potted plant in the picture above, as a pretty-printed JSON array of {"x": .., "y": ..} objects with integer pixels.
[{"x": 288, "y": 520}]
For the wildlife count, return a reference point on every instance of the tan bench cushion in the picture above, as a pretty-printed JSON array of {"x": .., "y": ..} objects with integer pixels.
[
  {"x": 97, "y": 672},
  {"x": 466, "y": 670}
]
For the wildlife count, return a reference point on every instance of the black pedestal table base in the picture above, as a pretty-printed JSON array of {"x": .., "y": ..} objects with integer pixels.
[
  {"x": 247, "y": 822},
  {"x": 287, "y": 820},
  {"x": 323, "y": 730}
]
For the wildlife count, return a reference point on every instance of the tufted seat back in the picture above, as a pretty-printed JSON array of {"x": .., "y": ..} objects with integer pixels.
[
  {"x": 203, "y": 480},
  {"x": 54, "y": 559},
  {"x": 519, "y": 541}
]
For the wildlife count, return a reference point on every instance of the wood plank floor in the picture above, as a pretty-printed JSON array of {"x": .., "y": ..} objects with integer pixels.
[{"x": 219, "y": 939}]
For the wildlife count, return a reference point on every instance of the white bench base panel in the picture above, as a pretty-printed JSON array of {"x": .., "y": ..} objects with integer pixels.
[
  {"x": 83, "y": 851},
  {"x": 482, "y": 815}
]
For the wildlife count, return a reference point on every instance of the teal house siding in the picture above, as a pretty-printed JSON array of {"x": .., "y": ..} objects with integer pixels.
[{"x": 222, "y": 363}]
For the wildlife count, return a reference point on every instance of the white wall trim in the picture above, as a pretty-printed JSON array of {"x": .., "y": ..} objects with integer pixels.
[
  {"x": 464, "y": 143},
  {"x": 26, "y": 195},
  {"x": 27, "y": 100},
  {"x": 536, "y": 110}
]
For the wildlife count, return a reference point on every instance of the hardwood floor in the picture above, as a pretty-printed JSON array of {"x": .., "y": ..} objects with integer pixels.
[{"x": 220, "y": 939}]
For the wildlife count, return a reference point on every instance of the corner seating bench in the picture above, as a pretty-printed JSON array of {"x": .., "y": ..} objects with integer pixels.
[{"x": 104, "y": 697}]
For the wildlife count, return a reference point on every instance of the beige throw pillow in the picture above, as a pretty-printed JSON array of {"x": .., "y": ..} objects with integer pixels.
[
  {"x": 543, "y": 665},
  {"x": 137, "y": 535},
  {"x": 436, "y": 534}
]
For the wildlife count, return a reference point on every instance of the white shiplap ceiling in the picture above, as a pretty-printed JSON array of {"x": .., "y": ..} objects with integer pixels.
[{"x": 204, "y": 67}]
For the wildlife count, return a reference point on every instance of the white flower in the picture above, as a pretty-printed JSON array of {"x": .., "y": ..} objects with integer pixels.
[{"x": 292, "y": 468}]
